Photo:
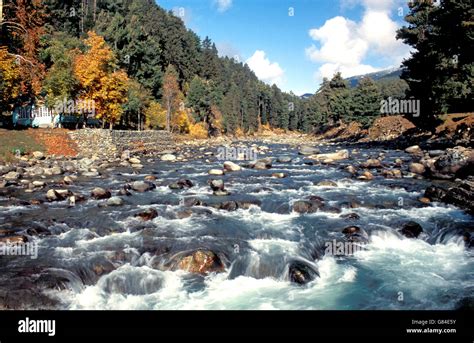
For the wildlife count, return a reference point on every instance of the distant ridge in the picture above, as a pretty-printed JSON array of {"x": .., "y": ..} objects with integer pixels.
[{"x": 392, "y": 73}]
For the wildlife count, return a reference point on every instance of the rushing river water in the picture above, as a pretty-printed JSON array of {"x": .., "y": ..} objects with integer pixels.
[{"x": 106, "y": 258}]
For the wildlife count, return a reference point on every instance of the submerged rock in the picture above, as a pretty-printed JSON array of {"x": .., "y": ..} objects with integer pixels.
[
  {"x": 148, "y": 214},
  {"x": 326, "y": 183},
  {"x": 411, "y": 229},
  {"x": 301, "y": 273},
  {"x": 355, "y": 234},
  {"x": 99, "y": 193}
]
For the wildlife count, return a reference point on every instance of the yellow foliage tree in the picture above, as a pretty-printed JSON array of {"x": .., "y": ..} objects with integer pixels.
[
  {"x": 9, "y": 79},
  {"x": 99, "y": 82},
  {"x": 155, "y": 116},
  {"x": 180, "y": 122},
  {"x": 198, "y": 130}
]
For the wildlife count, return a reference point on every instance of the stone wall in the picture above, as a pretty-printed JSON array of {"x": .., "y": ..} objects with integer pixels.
[{"x": 108, "y": 143}]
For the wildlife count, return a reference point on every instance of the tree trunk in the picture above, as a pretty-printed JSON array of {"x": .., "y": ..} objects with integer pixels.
[
  {"x": 139, "y": 121},
  {"x": 1, "y": 11},
  {"x": 111, "y": 126},
  {"x": 168, "y": 116}
]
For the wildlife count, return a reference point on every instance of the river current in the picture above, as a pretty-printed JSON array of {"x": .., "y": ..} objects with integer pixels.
[{"x": 100, "y": 257}]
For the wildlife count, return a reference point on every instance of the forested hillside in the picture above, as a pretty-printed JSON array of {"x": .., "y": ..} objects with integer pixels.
[{"x": 142, "y": 66}]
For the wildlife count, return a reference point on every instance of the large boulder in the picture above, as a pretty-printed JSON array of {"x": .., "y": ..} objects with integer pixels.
[
  {"x": 461, "y": 195},
  {"x": 454, "y": 163},
  {"x": 264, "y": 163}
]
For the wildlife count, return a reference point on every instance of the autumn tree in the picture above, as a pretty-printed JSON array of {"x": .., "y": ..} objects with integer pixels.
[
  {"x": 21, "y": 30},
  {"x": 171, "y": 94},
  {"x": 155, "y": 116},
  {"x": 9, "y": 80},
  {"x": 99, "y": 82}
]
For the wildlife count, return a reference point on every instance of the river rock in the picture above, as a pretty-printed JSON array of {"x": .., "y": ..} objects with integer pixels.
[
  {"x": 351, "y": 169},
  {"x": 215, "y": 172},
  {"x": 181, "y": 184},
  {"x": 454, "y": 163},
  {"x": 414, "y": 149},
  {"x": 411, "y": 229},
  {"x": 134, "y": 160},
  {"x": 366, "y": 175},
  {"x": 201, "y": 262},
  {"x": 335, "y": 156},
  {"x": 372, "y": 163},
  {"x": 351, "y": 216},
  {"x": 301, "y": 273},
  {"x": 100, "y": 193},
  {"x": 142, "y": 186},
  {"x": 279, "y": 175},
  {"x": 36, "y": 171},
  {"x": 417, "y": 168},
  {"x": 56, "y": 170},
  {"x": 217, "y": 185},
  {"x": 231, "y": 166},
  {"x": 90, "y": 174},
  {"x": 148, "y": 214},
  {"x": 168, "y": 157},
  {"x": 114, "y": 201},
  {"x": 12, "y": 176},
  {"x": 16, "y": 239},
  {"x": 326, "y": 183},
  {"x": 191, "y": 201},
  {"x": 355, "y": 234},
  {"x": 264, "y": 163},
  {"x": 57, "y": 194},
  {"x": 306, "y": 206},
  {"x": 308, "y": 150},
  {"x": 38, "y": 155},
  {"x": 38, "y": 183},
  {"x": 284, "y": 159}
]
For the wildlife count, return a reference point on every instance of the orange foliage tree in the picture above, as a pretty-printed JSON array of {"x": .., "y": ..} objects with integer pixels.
[{"x": 99, "y": 81}]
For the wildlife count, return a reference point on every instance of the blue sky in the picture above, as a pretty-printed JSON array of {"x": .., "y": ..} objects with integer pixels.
[{"x": 296, "y": 43}]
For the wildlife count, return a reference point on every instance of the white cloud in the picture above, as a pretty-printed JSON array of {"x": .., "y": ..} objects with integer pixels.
[
  {"x": 343, "y": 44},
  {"x": 266, "y": 71},
  {"x": 223, "y": 5}
]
